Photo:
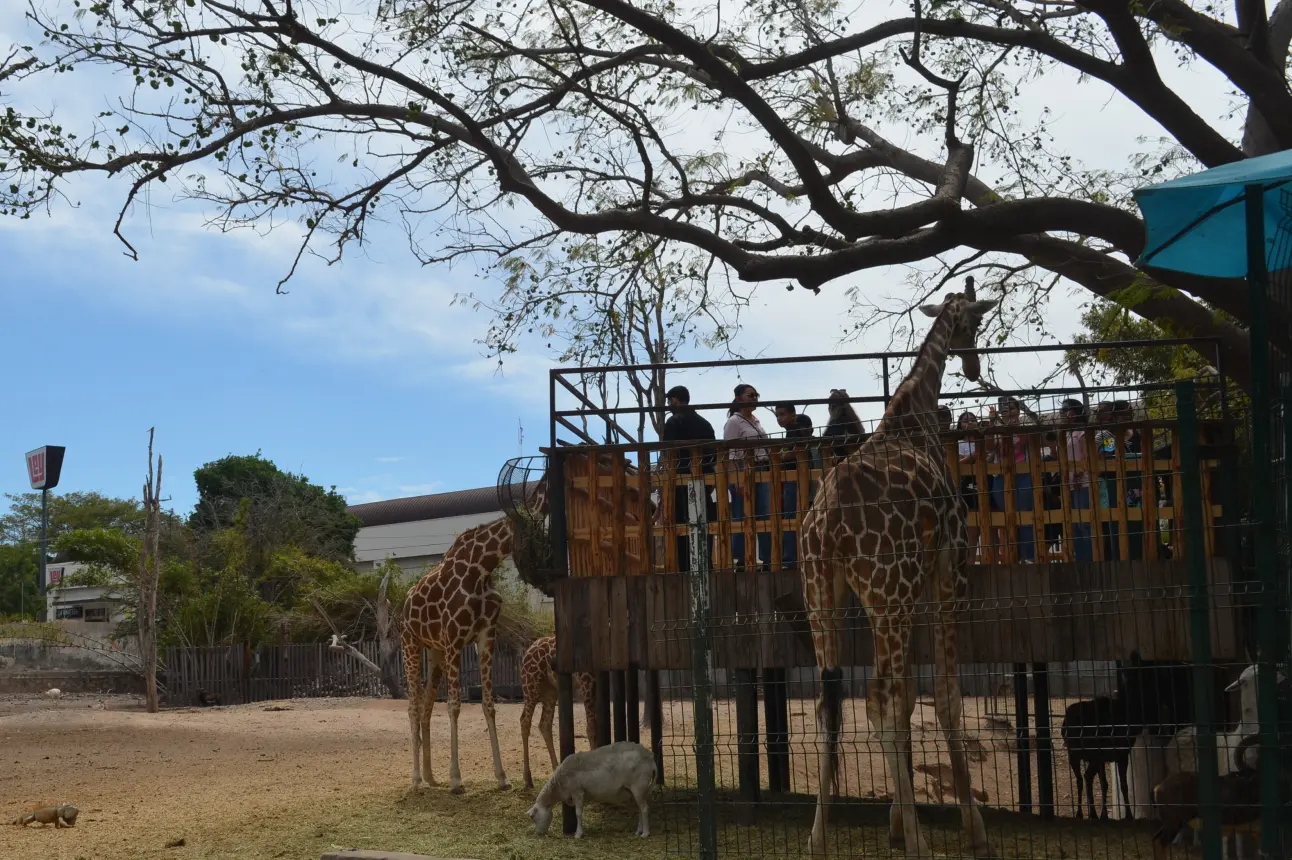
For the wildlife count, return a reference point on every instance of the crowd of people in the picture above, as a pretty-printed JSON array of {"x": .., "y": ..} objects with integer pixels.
[{"x": 1087, "y": 438}]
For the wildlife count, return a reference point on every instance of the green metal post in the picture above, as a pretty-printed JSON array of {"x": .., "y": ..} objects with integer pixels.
[
  {"x": 702, "y": 665},
  {"x": 1264, "y": 517},
  {"x": 1204, "y": 693}
]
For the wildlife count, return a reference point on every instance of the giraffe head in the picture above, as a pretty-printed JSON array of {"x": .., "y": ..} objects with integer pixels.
[{"x": 964, "y": 312}]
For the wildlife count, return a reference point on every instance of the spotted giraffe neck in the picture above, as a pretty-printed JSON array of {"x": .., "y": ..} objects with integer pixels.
[
  {"x": 913, "y": 408},
  {"x": 478, "y": 551}
]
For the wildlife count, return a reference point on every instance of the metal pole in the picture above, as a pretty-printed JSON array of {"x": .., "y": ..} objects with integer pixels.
[
  {"x": 702, "y": 665},
  {"x": 43, "y": 582},
  {"x": 1204, "y": 679},
  {"x": 1263, "y": 517}
]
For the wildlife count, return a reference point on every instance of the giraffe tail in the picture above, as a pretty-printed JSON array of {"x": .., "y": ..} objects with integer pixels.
[{"x": 829, "y": 719}]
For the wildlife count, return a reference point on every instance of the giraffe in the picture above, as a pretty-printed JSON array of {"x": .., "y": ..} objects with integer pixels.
[
  {"x": 538, "y": 682},
  {"x": 454, "y": 604},
  {"x": 888, "y": 524},
  {"x": 451, "y": 606}
]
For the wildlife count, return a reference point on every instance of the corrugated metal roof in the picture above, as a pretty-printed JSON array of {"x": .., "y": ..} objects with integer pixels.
[{"x": 437, "y": 506}]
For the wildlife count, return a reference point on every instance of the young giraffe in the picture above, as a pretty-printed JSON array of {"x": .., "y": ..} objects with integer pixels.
[
  {"x": 886, "y": 523},
  {"x": 538, "y": 683},
  {"x": 455, "y": 604}
]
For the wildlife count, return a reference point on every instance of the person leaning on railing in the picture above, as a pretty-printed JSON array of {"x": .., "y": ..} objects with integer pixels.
[
  {"x": 742, "y": 423},
  {"x": 1013, "y": 446},
  {"x": 1076, "y": 420},
  {"x": 798, "y": 427},
  {"x": 967, "y": 448},
  {"x": 687, "y": 425}
]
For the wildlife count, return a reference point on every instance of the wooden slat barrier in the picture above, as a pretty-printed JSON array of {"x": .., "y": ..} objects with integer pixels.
[
  {"x": 1057, "y": 612},
  {"x": 607, "y": 532}
]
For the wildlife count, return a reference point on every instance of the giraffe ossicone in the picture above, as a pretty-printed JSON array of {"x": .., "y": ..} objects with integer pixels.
[{"x": 888, "y": 524}]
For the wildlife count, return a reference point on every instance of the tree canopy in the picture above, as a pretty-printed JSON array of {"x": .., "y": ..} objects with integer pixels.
[
  {"x": 274, "y": 508},
  {"x": 570, "y": 142},
  {"x": 68, "y": 512}
]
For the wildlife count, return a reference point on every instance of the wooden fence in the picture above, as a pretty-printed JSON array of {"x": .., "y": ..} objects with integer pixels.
[{"x": 239, "y": 674}]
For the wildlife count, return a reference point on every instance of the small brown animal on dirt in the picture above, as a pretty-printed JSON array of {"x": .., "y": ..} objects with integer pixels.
[
  {"x": 206, "y": 700},
  {"x": 63, "y": 815}
]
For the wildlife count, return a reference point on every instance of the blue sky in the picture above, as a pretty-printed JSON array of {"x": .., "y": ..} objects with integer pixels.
[{"x": 363, "y": 377}]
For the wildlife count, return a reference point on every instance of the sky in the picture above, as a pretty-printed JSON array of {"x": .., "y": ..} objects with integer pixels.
[{"x": 363, "y": 376}]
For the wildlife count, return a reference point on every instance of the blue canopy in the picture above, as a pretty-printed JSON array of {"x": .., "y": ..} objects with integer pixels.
[{"x": 1198, "y": 224}]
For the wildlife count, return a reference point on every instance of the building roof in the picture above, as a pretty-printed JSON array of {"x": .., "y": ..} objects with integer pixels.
[{"x": 459, "y": 503}]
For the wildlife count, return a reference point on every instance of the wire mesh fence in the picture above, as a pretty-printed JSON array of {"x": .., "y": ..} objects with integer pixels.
[{"x": 1103, "y": 673}]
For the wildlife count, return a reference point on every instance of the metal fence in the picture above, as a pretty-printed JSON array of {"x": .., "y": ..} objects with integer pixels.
[
  {"x": 239, "y": 674},
  {"x": 1132, "y": 707}
]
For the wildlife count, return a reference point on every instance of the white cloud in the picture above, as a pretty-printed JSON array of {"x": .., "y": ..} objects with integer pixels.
[{"x": 387, "y": 459}]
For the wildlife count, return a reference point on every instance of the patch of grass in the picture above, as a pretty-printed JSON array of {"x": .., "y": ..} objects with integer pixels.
[{"x": 486, "y": 824}]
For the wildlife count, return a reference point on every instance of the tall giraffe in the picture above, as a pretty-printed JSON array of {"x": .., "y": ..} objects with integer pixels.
[
  {"x": 454, "y": 604},
  {"x": 886, "y": 523},
  {"x": 451, "y": 606}
]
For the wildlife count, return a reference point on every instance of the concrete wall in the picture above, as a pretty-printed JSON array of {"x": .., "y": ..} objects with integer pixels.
[
  {"x": 25, "y": 655},
  {"x": 71, "y": 682}
]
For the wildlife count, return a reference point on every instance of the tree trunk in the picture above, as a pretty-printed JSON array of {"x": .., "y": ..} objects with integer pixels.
[
  {"x": 150, "y": 568},
  {"x": 388, "y": 643}
]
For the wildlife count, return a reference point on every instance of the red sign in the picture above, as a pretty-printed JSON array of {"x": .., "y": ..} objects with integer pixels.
[
  {"x": 36, "y": 468},
  {"x": 55, "y": 575},
  {"x": 44, "y": 466}
]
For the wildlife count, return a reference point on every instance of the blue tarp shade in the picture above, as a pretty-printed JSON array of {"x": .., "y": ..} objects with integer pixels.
[{"x": 1198, "y": 224}]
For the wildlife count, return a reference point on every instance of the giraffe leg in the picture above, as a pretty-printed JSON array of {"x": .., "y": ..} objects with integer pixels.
[
  {"x": 820, "y": 598},
  {"x": 453, "y": 685},
  {"x": 545, "y": 728},
  {"x": 526, "y": 720},
  {"x": 889, "y": 720},
  {"x": 950, "y": 708},
  {"x": 896, "y": 833},
  {"x": 484, "y": 646},
  {"x": 413, "y": 678},
  {"x": 429, "y": 694}
]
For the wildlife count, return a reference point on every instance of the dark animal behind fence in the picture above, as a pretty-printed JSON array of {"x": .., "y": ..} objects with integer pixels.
[{"x": 1096, "y": 732}]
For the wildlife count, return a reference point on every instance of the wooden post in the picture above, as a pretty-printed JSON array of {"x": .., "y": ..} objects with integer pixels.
[
  {"x": 777, "y": 719},
  {"x": 634, "y": 704},
  {"x": 655, "y": 703},
  {"x": 1044, "y": 743},
  {"x": 747, "y": 734},
  {"x": 1022, "y": 739},
  {"x": 603, "y": 709},
  {"x": 565, "y": 716},
  {"x": 619, "y": 701}
]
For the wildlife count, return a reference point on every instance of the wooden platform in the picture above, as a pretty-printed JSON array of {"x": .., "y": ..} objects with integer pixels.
[
  {"x": 610, "y": 529},
  {"x": 1033, "y": 613}
]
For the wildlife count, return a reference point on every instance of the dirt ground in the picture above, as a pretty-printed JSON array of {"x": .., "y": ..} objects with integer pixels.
[{"x": 296, "y": 778}]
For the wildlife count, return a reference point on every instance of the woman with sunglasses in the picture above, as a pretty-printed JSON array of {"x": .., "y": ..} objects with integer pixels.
[{"x": 743, "y": 424}]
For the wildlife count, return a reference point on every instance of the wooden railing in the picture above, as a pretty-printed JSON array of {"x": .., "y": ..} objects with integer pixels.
[{"x": 614, "y": 531}]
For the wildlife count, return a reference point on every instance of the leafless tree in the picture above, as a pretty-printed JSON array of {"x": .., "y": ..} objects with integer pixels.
[
  {"x": 566, "y": 141},
  {"x": 149, "y": 572}
]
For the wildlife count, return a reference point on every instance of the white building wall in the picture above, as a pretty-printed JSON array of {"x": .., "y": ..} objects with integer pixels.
[{"x": 417, "y": 546}]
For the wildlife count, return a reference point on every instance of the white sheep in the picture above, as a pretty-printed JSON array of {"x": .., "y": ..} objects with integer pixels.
[
  {"x": 615, "y": 773},
  {"x": 53, "y": 693}
]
